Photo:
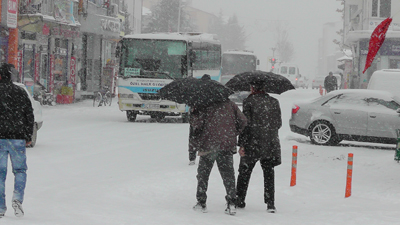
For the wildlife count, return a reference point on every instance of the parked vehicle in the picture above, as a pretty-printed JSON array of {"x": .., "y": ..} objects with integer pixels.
[
  {"x": 302, "y": 82},
  {"x": 317, "y": 81},
  {"x": 387, "y": 80},
  {"x": 290, "y": 71},
  {"x": 348, "y": 114},
  {"x": 37, "y": 111}
]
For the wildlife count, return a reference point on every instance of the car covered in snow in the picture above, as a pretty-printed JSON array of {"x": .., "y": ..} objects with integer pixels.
[
  {"x": 353, "y": 115},
  {"x": 37, "y": 111},
  {"x": 386, "y": 80}
]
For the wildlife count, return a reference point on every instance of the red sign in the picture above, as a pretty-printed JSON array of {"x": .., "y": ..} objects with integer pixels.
[
  {"x": 37, "y": 68},
  {"x": 45, "y": 30},
  {"x": 12, "y": 10},
  {"x": 51, "y": 75},
  {"x": 72, "y": 71}
]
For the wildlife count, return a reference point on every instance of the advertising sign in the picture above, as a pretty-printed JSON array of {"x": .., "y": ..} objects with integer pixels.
[
  {"x": 37, "y": 67},
  {"x": 51, "y": 75},
  {"x": 72, "y": 71},
  {"x": 12, "y": 12}
]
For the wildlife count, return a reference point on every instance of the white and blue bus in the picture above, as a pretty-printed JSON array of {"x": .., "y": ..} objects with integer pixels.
[{"x": 150, "y": 61}]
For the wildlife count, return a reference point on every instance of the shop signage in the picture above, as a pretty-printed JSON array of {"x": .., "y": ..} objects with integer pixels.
[
  {"x": 72, "y": 71},
  {"x": 110, "y": 25},
  {"x": 37, "y": 67},
  {"x": 45, "y": 30},
  {"x": 51, "y": 75},
  {"x": 65, "y": 33},
  {"x": 12, "y": 13},
  {"x": 391, "y": 47}
]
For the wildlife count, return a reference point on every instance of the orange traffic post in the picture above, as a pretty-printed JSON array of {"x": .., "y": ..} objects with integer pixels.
[
  {"x": 349, "y": 175},
  {"x": 320, "y": 90},
  {"x": 294, "y": 166}
]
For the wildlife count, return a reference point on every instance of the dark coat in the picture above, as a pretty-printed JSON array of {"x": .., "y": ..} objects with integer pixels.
[
  {"x": 16, "y": 113},
  {"x": 260, "y": 138},
  {"x": 330, "y": 83},
  {"x": 216, "y": 127}
]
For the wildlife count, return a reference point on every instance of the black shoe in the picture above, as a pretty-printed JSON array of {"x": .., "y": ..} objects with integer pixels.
[
  {"x": 271, "y": 208},
  {"x": 241, "y": 204}
]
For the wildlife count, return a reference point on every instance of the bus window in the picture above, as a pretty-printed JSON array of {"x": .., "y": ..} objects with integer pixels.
[
  {"x": 292, "y": 70},
  {"x": 283, "y": 70}
]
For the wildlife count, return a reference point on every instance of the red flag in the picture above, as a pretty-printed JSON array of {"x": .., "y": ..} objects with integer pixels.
[{"x": 376, "y": 41}]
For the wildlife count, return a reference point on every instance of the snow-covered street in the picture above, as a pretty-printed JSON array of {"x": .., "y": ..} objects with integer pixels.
[{"x": 92, "y": 166}]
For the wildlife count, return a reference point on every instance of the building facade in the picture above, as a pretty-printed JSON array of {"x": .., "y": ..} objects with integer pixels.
[
  {"x": 66, "y": 47},
  {"x": 360, "y": 19}
]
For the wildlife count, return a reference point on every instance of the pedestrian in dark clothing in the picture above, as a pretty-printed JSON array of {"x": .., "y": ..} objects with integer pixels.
[
  {"x": 215, "y": 131},
  {"x": 259, "y": 142},
  {"x": 192, "y": 151},
  {"x": 330, "y": 83},
  {"x": 16, "y": 128}
]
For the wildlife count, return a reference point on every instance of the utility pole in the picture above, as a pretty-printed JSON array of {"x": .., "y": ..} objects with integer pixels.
[{"x": 179, "y": 16}]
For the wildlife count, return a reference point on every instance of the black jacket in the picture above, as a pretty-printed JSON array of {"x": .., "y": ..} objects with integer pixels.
[
  {"x": 330, "y": 83},
  {"x": 260, "y": 137},
  {"x": 16, "y": 113}
]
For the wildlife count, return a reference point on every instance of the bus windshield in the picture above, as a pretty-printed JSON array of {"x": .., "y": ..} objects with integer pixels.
[
  {"x": 139, "y": 56},
  {"x": 236, "y": 63}
]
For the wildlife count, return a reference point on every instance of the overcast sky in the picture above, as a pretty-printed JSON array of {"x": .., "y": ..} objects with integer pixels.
[{"x": 304, "y": 20}]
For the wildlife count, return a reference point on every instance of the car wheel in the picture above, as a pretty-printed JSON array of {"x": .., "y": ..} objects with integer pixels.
[
  {"x": 131, "y": 115},
  {"x": 323, "y": 133},
  {"x": 34, "y": 137}
]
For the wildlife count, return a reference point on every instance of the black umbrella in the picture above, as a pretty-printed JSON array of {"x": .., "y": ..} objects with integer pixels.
[
  {"x": 195, "y": 92},
  {"x": 270, "y": 82}
]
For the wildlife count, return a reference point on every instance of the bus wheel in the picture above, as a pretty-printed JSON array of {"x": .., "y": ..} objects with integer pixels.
[
  {"x": 131, "y": 115},
  {"x": 185, "y": 117},
  {"x": 159, "y": 117}
]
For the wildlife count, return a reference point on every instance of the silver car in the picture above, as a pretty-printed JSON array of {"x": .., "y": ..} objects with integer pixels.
[
  {"x": 353, "y": 115},
  {"x": 37, "y": 111}
]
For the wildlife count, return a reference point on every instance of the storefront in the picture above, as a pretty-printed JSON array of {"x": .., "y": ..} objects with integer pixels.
[
  {"x": 388, "y": 57},
  {"x": 100, "y": 35},
  {"x": 46, "y": 49}
]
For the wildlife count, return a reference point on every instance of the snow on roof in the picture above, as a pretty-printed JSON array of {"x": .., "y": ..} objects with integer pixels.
[
  {"x": 195, "y": 37},
  {"x": 366, "y": 92},
  {"x": 146, "y": 11},
  {"x": 344, "y": 58}
]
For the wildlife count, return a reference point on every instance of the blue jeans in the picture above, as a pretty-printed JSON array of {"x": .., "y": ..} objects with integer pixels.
[{"x": 16, "y": 149}]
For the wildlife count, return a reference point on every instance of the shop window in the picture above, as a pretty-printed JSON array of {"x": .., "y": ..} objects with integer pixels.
[{"x": 394, "y": 64}]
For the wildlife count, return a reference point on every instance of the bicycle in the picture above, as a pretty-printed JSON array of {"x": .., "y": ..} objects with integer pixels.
[{"x": 100, "y": 99}]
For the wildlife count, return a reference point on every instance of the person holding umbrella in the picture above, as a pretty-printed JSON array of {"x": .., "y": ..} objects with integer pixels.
[
  {"x": 215, "y": 128},
  {"x": 215, "y": 123},
  {"x": 192, "y": 150},
  {"x": 259, "y": 142}
]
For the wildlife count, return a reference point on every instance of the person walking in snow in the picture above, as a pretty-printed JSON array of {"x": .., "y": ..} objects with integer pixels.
[
  {"x": 192, "y": 150},
  {"x": 215, "y": 131},
  {"x": 16, "y": 128},
  {"x": 330, "y": 83},
  {"x": 259, "y": 142}
]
